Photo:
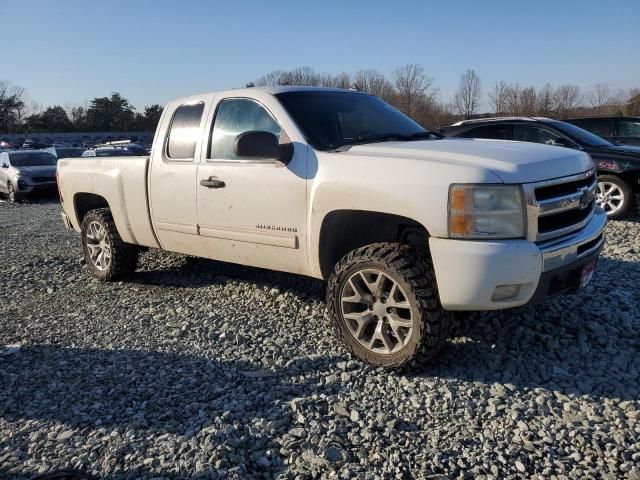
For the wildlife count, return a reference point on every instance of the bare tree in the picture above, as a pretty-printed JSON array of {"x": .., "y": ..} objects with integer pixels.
[
  {"x": 498, "y": 97},
  {"x": 633, "y": 103},
  {"x": 528, "y": 101},
  {"x": 545, "y": 100},
  {"x": 341, "y": 80},
  {"x": 375, "y": 83},
  {"x": 567, "y": 97},
  {"x": 513, "y": 99},
  {"x": 414, "y": 89},
  {"x": 297, "y": 76},
  {"x": 467, "y": 98},
  {"x": 600, "y": 97}
]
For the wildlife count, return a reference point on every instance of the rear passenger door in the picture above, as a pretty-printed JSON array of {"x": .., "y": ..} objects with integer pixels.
[{"x": 172, "y": 178}]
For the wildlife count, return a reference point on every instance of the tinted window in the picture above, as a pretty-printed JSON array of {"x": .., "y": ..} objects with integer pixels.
[
  {"x": 494, "y": 132},
  {"x": 599, "y": 126},
  {"x": 32, "y": 159},
  {"x": 579, "y": 134},
  {"x": 184, "y": 131},
  {"x": 69, "y": 152},
  {"x": 331, "y": 119},
  {"x": 236, "y": 116},
  {"x": 629, "y": 128},
  {"x": 531, "y": 133}
]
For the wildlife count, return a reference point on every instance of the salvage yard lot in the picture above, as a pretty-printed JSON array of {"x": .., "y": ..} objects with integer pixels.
[{"x": 198, "y": 369}]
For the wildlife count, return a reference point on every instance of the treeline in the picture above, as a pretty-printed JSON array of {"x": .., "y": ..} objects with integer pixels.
[
  {"x": 102, "y": 114},
  {"x": 413, "y": 91},
  {"x": 409, "y": 88}
]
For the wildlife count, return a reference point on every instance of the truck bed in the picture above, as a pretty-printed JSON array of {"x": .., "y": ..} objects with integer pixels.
[{"x": 121, "y": 181}]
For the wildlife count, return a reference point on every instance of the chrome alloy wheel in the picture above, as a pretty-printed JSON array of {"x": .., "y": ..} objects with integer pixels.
[
  {"x": 376, "y": 311},
  {"x": 99, "y": 246},
  {"x": 610, "y": 197}
]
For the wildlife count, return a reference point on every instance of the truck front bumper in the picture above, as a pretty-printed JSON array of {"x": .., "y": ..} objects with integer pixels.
[{"x": 473, "y": 275}]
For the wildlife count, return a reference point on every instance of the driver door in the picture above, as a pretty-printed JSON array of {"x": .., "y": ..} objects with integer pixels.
[{"x": 251, "y": 211}]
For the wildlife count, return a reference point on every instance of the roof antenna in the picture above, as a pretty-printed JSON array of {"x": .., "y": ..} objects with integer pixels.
[{"x": 355, "y": 87}]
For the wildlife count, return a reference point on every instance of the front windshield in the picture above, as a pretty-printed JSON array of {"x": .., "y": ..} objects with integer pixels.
[
  {"x": 332, "y": 119},
  {"x": 32, "y": 159},
  {"x": 581, "y": 135}
]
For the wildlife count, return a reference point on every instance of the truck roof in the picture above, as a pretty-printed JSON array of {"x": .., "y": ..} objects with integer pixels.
[{"x": 274, "y": 90}]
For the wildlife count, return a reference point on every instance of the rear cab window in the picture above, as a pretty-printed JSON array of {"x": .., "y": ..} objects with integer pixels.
[{"x": 184, "y": 132}]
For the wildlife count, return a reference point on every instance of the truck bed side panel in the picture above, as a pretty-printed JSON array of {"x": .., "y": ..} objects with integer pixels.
[{"x": 121, "y": 181}]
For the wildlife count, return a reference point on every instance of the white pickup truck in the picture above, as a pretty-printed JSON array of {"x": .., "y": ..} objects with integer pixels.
[{"x": 406, "y": 227}]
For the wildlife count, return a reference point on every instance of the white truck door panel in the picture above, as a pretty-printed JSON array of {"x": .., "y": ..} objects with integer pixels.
[
  {"x": 172, "y": 179},
  {"x": 251, "y": 212}
]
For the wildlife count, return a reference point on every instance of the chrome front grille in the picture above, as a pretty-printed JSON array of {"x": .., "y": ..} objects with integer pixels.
[{"x": 560, "y": 206}]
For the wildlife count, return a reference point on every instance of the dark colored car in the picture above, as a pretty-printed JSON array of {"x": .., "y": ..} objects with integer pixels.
[
  {"x": 34, "y": 144},
  {"x": 618, "y": 166},
  {"x": 622, "y": 130},
  {"x": 67, "y": 152}
]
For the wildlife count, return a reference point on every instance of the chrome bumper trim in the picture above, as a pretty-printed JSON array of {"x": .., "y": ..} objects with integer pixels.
[{"x": 561, "y": 251}]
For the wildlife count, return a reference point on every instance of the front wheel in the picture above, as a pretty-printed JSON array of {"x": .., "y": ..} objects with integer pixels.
[
  {"x": 106, "y": 255},
  {"x": 14, "y": 197},
  {"x": 384, "y": 306},
  {"x": 614, "y": 196}
]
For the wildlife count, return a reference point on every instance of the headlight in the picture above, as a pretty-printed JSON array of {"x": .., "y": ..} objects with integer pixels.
[{"x": 486, "y": 211}]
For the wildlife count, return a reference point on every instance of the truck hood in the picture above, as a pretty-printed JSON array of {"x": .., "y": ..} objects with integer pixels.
[{"x": 512, "y": 162}]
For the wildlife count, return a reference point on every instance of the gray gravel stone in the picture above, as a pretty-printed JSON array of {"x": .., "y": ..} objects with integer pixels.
[{"x": 198, "y": 369}]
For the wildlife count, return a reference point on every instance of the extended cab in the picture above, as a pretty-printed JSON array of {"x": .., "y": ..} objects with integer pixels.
[{"x": 405, "y": 226}]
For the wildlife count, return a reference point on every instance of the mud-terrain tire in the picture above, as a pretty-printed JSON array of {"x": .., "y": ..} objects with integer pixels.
[
  {"x": 383, "y": 304},
  {"x": 106, "y": 255}
]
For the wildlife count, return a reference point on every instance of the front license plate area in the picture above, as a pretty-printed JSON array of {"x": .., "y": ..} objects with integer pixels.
[{"x": 586, "y": 274}]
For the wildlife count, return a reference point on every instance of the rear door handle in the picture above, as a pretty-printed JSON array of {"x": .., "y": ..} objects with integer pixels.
[{"x": 212, "y": 182}]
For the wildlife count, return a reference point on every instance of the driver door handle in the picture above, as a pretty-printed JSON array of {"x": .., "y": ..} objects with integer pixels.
[{"x": 212, "y": 182}]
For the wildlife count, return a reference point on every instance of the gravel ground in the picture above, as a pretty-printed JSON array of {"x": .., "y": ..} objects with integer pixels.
[{"x": 197, "y": 369}]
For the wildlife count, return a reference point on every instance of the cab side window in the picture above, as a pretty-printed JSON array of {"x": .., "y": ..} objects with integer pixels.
[
  {"x": 184, "y": 132},
  {"x": 233, "y": 117},
  {"x": 493, "y": 132},
  {"x": 533, "y": 134}
]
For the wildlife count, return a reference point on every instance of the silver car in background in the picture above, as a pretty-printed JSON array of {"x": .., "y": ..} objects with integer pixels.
[{"x": 27, "y": 172}]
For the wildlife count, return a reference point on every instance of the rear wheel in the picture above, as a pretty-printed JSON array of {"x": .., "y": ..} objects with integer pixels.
[
  {"x": 614, "y": 196},
  {"x": 383, "y": 303},
  {"x": 106, "y": 255}
]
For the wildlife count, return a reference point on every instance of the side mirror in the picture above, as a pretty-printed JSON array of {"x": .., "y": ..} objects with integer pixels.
[
  {"x": 259, "y": 144},
  {"x": 5, "y": 165}
]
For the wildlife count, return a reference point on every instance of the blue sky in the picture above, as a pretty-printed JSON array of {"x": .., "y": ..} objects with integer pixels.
[{"x": 67, "y": 52}]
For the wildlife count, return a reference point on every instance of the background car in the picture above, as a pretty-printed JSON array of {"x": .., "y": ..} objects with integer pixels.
[
  {"x": 624, "y": 130},
  {"x": 618, "y": 166},
  {"x": 66, "y": 152},
  {"x": 26, "y": 172}
]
